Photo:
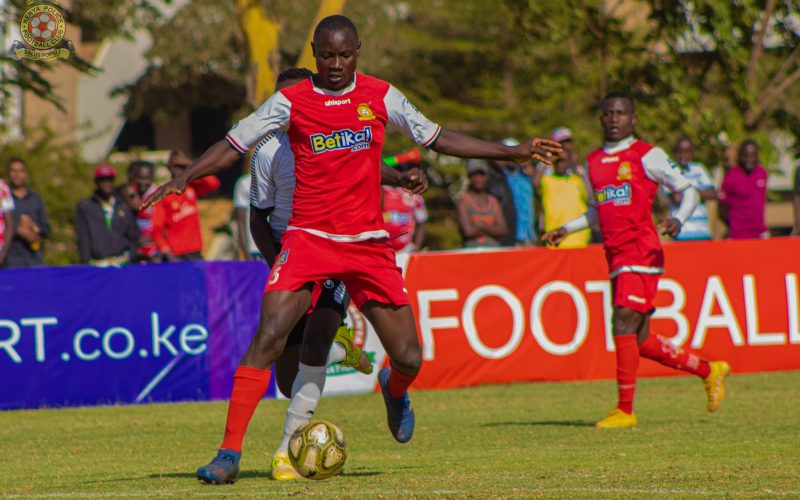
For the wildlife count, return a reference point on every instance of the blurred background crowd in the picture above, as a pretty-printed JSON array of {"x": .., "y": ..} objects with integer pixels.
[{"x": 152, "y": 84}]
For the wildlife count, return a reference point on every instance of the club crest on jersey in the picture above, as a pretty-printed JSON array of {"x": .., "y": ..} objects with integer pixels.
[
  {"x": 283, "y": 257},
  {"x": 342, "y": 139},
  {"x": 624, "y": 171},
  {"x": 364, "y": 112},
  {"x": 618, "y": 195}
]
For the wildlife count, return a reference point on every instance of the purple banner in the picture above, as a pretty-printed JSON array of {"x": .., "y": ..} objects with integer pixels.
[{"x": 85, "y": 336}]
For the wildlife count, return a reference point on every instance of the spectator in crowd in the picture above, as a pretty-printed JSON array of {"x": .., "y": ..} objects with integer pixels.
[
  {"x": 405, "y": 216},
  {"x": 743, "y": 196},
  {"x": 30, "y": 219},
  {"x": 696, "y": 227},
  {"x": 140, "y": 178},
  {"x": 107, "y": 234},
  {"x": 480, "y": 216},
  {"x": 241, "y": 204},
  {"x": 521, "y": 186},
  {"x": 6, "y": 220},
  {"x": 176, "y": 220},
  {"x": 564, "y": 197},
  {"x": 499, "y": 188}
]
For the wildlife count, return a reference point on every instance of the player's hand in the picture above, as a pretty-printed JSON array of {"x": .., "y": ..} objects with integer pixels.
[
  {"x": 175, "y": 186},
  {"x": 414, "y": 181},
  {"x": 555, "y": 237},
  {"x": 540, "y": 150},
  {"x": 671, "y": 227}
]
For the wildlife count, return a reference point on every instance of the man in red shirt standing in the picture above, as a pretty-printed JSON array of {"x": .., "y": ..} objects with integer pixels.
[
  {"x": 625, "y": 175},
  {"x": 743, "y": 196},
  {"x": 336, "y": 122},
  {"x": 176, "y": 220}
]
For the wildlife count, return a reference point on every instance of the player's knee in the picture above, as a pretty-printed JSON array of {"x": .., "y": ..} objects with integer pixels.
[
  {"x": 409, "y": 357},
  {"x": 626, "y": 321},
  {"x": 269, "y": 340}
]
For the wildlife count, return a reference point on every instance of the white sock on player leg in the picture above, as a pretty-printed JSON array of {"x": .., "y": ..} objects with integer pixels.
[
  {"x": 336, "y": 354},
  {"x": 306, "y": 392}
]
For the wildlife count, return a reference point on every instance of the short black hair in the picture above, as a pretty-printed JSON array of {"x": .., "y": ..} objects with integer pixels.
[
  {"x": 683, "y": 138},
  {"x": 16, "y": 159},
  {"x": 294, "y": 74},
  {"x": 335, "y": 23},
  {"x": 745, "y": 143},
  {"x": 617, "y": 94}
]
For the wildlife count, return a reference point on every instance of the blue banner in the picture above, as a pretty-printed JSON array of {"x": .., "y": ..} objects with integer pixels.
[{"x": 84, "y": 336}]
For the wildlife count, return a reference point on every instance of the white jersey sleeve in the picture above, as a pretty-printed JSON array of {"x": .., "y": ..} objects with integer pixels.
[
  {"x": 408, "y": 118},
  {"x": 241, "y": 192},
  {"x": 661, "y": 169},
  {"x": 262, "y": 174},
  {"x": 270, "y": 116}
]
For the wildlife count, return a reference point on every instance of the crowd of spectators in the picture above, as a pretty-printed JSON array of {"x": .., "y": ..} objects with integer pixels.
[{"x": 504, "y": 204}]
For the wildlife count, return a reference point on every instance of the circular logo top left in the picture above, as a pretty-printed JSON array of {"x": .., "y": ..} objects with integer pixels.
[{"x": 42, "y": 26}]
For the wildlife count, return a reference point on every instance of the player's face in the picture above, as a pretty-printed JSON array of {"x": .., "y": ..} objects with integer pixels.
[
  {"x": 748, "y": 156},
  {"x": 618, "y": 118},
  {"x": 684, "y": 152},
  {"x": 17, "y": 174},
  {"x": 337, "y": 54}
]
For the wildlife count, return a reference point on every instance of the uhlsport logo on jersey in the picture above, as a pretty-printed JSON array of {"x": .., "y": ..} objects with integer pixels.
[
  {"x": 618, "y": 195},
  {"x": 342, "y": 139}
]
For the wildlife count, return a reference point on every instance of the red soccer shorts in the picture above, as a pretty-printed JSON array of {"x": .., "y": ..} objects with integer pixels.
[
  {"x": 368, "y": 268},
  {"x": 635, "y": 291}
]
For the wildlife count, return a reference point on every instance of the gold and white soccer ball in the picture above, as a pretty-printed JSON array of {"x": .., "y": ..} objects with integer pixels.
[{"x": 318, "y": 450}]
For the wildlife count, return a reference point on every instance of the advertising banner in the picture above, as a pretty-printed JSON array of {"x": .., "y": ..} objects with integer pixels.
[
  {"x": 544, "y": 314},
  {"x": 82, "y": 336}
]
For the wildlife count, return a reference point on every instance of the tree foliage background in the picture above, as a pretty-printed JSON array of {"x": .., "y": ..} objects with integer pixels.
[{"x": 716, "y": 70}]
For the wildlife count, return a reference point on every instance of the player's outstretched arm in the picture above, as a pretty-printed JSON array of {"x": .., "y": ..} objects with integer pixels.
[
  {"x": 216, "y": 159},
  {"x": 689, "y": 200},
  {"x": 465, "y": 146},
  {"x": 556, "y": 236}
]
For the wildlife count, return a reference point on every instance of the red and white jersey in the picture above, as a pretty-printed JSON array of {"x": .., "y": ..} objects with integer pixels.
[
  {"x": 402, "y": 211},
  {"x": 6, "y": 205},
  {"x": 336, "y": 138},
  {"x": 625, "y": 178}
]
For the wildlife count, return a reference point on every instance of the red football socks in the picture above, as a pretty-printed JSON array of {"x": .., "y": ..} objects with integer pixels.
[
  {"x": 627, "y": 365},
  {"x": 249, "y": 386},
  {"x": 659, "y": 349},
  {"x": 399, "y": 383}
]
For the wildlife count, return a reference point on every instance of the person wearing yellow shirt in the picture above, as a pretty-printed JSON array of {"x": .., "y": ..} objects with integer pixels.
[{"x": 563, "y": 197}]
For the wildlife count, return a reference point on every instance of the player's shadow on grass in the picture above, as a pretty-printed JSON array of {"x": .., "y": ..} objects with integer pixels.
[{"x": 544, "y": 423}]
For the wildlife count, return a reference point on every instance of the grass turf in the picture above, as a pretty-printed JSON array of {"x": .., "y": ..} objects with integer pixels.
[{"x": 492, "y": 441}]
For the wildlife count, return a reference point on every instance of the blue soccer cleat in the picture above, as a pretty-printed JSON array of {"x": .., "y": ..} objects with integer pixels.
[
  {"x": 224, "y": 469},
  {"x": 399, "y": 413}
]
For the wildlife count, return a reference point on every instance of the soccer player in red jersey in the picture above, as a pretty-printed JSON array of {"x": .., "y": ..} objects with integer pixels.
[
  {"x": 336, "y": 122},
  {"x": 625, "y": 175}
]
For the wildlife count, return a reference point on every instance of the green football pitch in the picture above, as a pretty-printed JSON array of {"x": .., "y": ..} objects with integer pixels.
[{"x": 518, "y": 440}]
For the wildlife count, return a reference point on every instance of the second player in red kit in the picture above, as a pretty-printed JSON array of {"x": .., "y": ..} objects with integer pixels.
[{"x": 625, "y": 175}]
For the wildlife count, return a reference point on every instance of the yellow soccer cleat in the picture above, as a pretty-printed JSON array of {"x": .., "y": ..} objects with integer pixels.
[
  {"x": 282, "y": 469},
  {"x": 617, "y": 419},
  {"x": 354, "y": 356},
  {"x": 715, "y": 384}
]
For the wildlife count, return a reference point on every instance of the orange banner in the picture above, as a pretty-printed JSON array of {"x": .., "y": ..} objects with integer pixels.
[{"x": 542, "y": 314}]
